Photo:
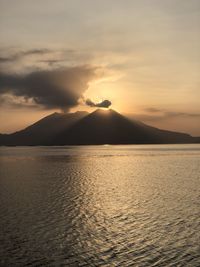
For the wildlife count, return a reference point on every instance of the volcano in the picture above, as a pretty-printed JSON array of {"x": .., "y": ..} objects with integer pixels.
[
  {"x": 96, "y": 128},
  {"x": 110, "y": 127}
]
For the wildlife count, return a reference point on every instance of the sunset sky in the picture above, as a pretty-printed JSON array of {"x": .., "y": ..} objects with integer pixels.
[{"x": 142, "y": 55}]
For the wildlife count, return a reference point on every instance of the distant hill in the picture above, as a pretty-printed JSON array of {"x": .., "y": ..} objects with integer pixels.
[{"x": 98, "y": 127}]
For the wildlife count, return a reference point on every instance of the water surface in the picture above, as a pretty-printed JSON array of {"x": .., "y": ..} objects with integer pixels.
[{"x": 100, "y": 206}]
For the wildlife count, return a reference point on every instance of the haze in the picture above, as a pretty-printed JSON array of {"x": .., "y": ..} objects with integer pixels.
[{"x": 143, "y": 56}]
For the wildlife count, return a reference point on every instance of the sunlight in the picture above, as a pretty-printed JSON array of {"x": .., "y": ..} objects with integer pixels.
[{"x": 104, "y": 111}]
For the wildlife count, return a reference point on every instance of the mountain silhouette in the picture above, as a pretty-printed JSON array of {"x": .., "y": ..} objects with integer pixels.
[
  {"x": 98, "y": 127},
  {"x": 110, "y": 127},
  {"x": 43, "y": 131}
]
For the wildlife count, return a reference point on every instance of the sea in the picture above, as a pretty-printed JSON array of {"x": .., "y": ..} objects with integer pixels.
[{"x": 111, "y": 205}]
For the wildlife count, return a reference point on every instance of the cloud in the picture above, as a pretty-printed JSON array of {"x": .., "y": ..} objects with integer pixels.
[
  {"x": 162, "y": 113},
  {"x": 18, "y": 55},
  {"x": 59, "y": 88},
  {"x": 180, "y": 114},
  {"x": 10, "y": 101},
  {"x": 152, "y": 110},
  {"x": 51, "y": 62},
  {"x": 104, "y": 104},
  {"x": 152, "y": 115}
]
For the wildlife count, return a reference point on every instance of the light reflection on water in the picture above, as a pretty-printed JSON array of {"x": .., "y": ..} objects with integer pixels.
[{"x": 100, "y": 206}]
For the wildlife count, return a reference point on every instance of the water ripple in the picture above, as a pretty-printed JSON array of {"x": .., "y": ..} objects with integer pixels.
[{"x": 100, "y": 206}]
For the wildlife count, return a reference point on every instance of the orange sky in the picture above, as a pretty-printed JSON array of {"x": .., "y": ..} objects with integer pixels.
[{"x": 144, "y": 58}]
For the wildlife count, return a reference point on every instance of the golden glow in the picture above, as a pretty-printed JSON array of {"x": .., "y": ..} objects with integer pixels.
[
  {"x": 145, "y": 55},
  {"x": 104, "y": 111}
]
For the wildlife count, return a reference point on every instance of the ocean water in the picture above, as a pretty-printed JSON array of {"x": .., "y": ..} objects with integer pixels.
[{"x": 100, "y": 206}]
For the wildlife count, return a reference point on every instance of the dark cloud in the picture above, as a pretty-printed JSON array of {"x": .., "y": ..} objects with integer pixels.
[
  {"x": 103, "y": 104},
  {"x": 59, "y": 88},
  {"x": 21, "y": 54}
]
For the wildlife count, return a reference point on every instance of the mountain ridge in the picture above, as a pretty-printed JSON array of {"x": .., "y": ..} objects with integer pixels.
[{"x": 98, "y": 127}]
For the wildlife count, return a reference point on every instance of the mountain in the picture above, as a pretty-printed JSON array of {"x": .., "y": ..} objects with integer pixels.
[
  {"x": 43, "y": 131},
  {"x": 98, "y": 127},
  {"x": 110, "y": 127}
]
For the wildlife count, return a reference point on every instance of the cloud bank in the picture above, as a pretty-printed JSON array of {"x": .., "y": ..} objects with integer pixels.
[
  {"x": 57, "y": 88},
  {"x": 104, "y": 104}
]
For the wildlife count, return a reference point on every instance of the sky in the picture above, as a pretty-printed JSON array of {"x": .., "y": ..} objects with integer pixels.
[{"x": 143, "y": 56}]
